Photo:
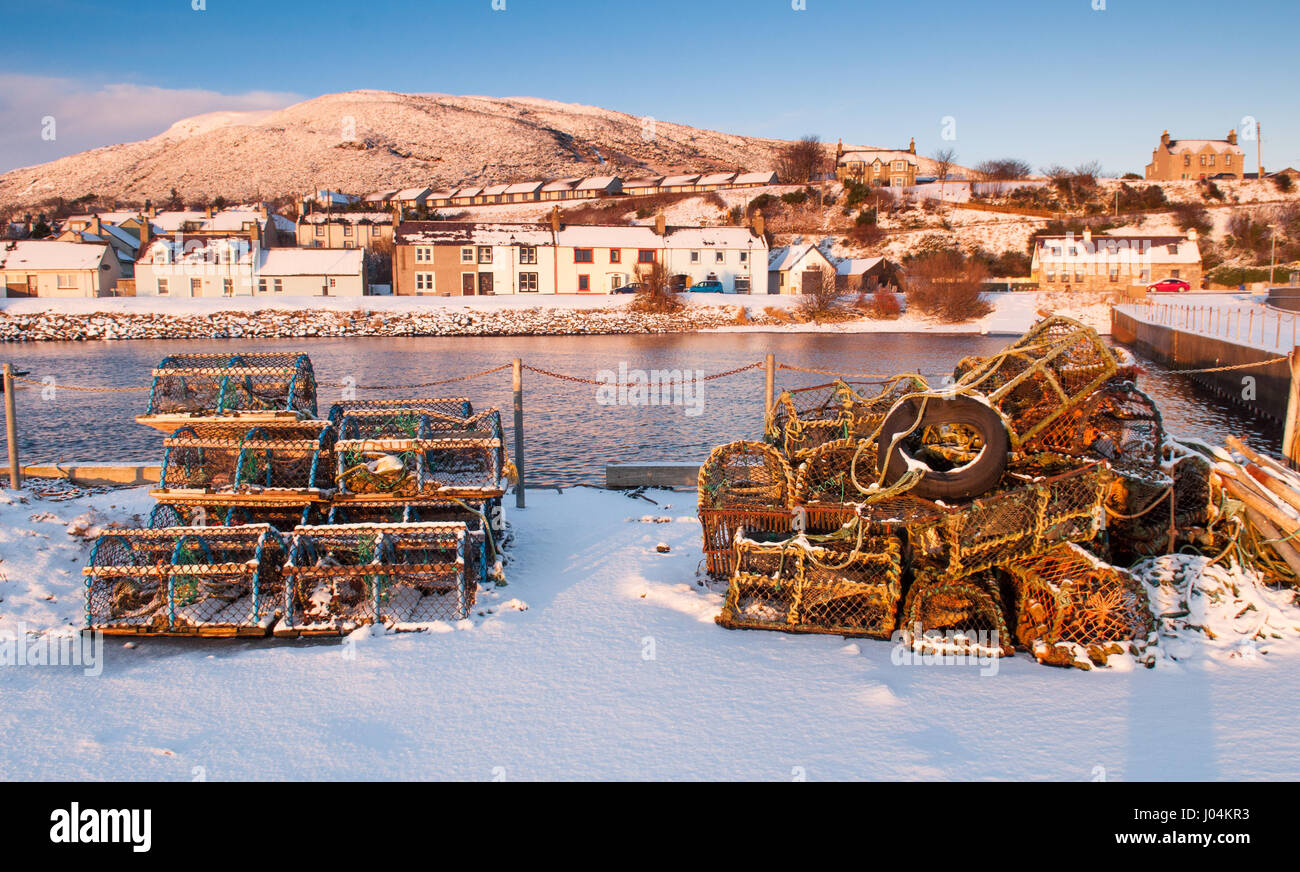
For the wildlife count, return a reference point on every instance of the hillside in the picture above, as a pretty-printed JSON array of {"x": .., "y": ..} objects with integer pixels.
[{"x": 369, "y": 140}]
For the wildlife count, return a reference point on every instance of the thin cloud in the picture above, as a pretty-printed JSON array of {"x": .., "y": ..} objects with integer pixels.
[{"x": 89, "y": 116}]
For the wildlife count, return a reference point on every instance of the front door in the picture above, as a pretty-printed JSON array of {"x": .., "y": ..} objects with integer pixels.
[
  {"x": 467, "y": 284},
  {"x": 485, "y": 283}
]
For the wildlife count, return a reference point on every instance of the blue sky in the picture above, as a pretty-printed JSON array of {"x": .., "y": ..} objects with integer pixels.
[{"x": 1049, "y": 81}]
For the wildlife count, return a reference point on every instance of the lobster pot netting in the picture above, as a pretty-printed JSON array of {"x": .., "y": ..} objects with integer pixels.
[
  {"x": 848, "y": 587},
  {"x": 745, "y": 475},
  {"x": 804, "y": 419},
  {"x": 392, "y": 423},
  {"x": 340, "y": 577},
  {"x": 419, "y": 467},
  {"x": 293, "y": 457},
  {"x": 452, "y": 407},
  {"x": 1117, "y": 423},
  {"x": 827, "y": 473},
  {"x": 185, "y": 580},
  {"x": 220, "y": 384},
  {"x": 1051, "y": 370},
  {"x": 231, "y": 510},
  {"x": 1067, "y": 597},
  {"x": 721, "y": 524},
  {"x": 1138, "y": 512},
  {"x": 1028, "y": 514},
  {"x": 957, "y": 616},
  {"x": 1194, "y": 504},
  {"x": 201, "y": 456}
]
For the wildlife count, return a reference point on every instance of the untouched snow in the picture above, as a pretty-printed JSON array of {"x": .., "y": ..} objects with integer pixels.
[{"x": 601, "y": 660}]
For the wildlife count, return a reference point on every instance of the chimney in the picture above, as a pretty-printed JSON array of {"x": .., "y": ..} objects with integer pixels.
[
  {"x": 1164, "y": 138},
  {"x": 149, "y": 210},
  {"x": 1232, "y": 136},
  {"x": 1192, "y": 234},
  {"x": 1087, "y": 235},
  {"x": 661, "y": 225},
  {"x": 839, "y": 150},
  {"x": 144, "y": 234},
  {"x": 555, "y": 219},
  {"x": 911, "y": 146},
  {"x": 96, "y": 226},
  {"x": 758, "y": 224}
]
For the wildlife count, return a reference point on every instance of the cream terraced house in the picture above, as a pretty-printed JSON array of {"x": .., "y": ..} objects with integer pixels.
[
  {"x": 232, "y": 267},
  {"x": 49, "y": 268},
  {"x": 1114, "y": 262},
  {"x": 877, "y": 166},
  {"x": 461, "y": 258}
]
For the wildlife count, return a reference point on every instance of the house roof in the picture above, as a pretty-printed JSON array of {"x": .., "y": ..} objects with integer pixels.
[
  {"x": 524, "y": 188},
  {"x": 711, "y": 237},
  {"x": 311, "y": 262},
  {"x": 789, "y": 256},
  {"x": 411, "y": 194},
  {"x": 471, "y": 233},
  {"x": 1219, "y": 146},
  {"x": 575, "y": 235},
  {"x": 765, "y": 177},
  {"x": 348, "y": 218},
  {"x": 856, "y": 266},
  {"x": 649, "y": 182},
  {"x": 560, "y": 185},
  {"x": 468, "y": 192},
  {"x": 596, "y": 183},
  {"x": 40, "y": 254},
  {"x": 379, "y": 196},
  {"x": 717, "y": 179},
  {"x": 1153, "y": 249},
  {"x": 493, "y": 190},
  {"x": 689, "y": 179},
  {"x": 884, "y": 155}
]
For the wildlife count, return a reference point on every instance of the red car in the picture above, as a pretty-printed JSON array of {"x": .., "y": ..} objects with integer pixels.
[{"x": 1169, "y": 286}]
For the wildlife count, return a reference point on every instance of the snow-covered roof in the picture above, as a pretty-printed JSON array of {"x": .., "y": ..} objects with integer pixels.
[
  {"x": 596, "y": 183},
  {"x": 379, "y": 196},
  {"x": 711, "y": 237},
  {"x": 717, "y": 179},
  {"x": 649, "y": 182},
  {"x": 524, "y": 187},
  {"x": 348, "y": 218},
  {"x": 40, "y": 254},
  {"x": 856, "y": 266},
  {"x": 609, "y": 236},
  {"x": 560, "y": 185},
  {"x": 282, "y": 222},
  {"x": 789, "y": 256},
  {"x": 311, "y": 262},
  {"x": 764, "y": 177},
  {"x": 494, "y": 190},
  {"x": 689, "y": 179},
  {"x": 472, "y": 233},
  {"x": 884, "y": 155},
  {"x": 468, "y": 192},
  {"x": 225, "y": 221},
  {"x": 1219, "y": 146},
  {"x": 1152, "y": 249},
  {"x": 411, "y": 194}
]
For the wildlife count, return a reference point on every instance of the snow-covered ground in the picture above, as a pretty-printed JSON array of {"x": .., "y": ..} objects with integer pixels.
[
  {"x": 1239, "y": 318},
  {"x": 600, "y": 659}
]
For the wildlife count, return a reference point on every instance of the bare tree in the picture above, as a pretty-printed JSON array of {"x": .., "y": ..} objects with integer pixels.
[
  {"x": 802, "y": 160},
  {"x": 656, "y": 294},
  {"x": 1004, "y": 169},
  {"x": 947, "y": 285},
  {"x": 821, "y": 297},
  {"x": 944, "y": 160}
]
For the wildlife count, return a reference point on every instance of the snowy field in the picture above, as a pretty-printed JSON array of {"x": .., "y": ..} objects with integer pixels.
[{"x": 600, "y": 660}]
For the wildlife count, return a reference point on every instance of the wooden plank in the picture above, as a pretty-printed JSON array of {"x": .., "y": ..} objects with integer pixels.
[{"x": 629, "y": 475}]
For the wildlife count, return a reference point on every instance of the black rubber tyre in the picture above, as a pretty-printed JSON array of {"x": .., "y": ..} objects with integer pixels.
[{"x": 977, "y": 477}]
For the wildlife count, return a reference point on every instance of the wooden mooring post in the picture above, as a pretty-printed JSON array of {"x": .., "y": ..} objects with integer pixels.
[
  {"x": 1291, "y": 435},
  {"x": 517, "y": 368},
  {"x": 11, "y": 429}
]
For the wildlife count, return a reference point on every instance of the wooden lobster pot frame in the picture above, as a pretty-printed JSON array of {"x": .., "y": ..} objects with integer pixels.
[
  {"x": 228, "y": 458},
  {"x": 958, "y": 616},
  {"x": 343, "y": 576},
  {"x": 184, "y": 581},
  {"x": 742, "y": 484},
  {"x": 200, "y": 509},
  {"x": 258, "y": 387},
  {"x": 846, "y": 587},
  {"x": 1028, "y": 514},
  {"x": 1066, "y": 596},
  {"x": 804, "y": 419},
  {"x": 483, "y": 519}
]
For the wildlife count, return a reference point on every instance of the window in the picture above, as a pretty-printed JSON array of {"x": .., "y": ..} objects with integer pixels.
[
  {"x": 1051, "y": 276},
  {"x": 584, "y": 283},
  {"x": 347, "y": 229},
  {"x": 1114, "y": 273},
  {"x": 320, "y": 229},
  {"x": 1227, "y": 160},
  {"x": 485, "y": 254},
  {"x": 615, "y": 255},
  {"x": 528, "y": 254},
  {"x": 582, "y": 255},
  {"x": 423, "y": 282},
  {"x": 719, "y": 257},
  {"x": 1078, "y": 274},
  {"x": 695, "y": 257},
  {"x": 279, "y": 286},
  {"x": 333, "y": 282},
  {"x": 162, "y": 288},
  {"x": 228, "y": 287},
  {"x": 744, "y": 256},
  {"x": 467, "y": 255},
  {"x": 1187, "y": 160},
  {"x": 261, "y": 286},
  {"x": 66, "y": 280},
  {"x": 645, "y": 255},
  {"x": 196, "y": 287},
  {"x": 742, "y": 285},
  {"x": 1173, "y": 274},
  {"x": 528, "y": 283},
  {"x": 423, "y": 255}
]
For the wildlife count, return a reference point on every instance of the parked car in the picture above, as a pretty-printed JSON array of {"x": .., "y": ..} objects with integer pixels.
[
  {"x": 1169, "y": 286},
  {"x": 630, "y": 288},
  {"x": 707, "y": 287}
]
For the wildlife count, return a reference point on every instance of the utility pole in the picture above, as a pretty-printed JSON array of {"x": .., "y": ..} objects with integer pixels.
[
  {"x": 1272, "y": 257},
  {"x": 1259, "y": 150}
]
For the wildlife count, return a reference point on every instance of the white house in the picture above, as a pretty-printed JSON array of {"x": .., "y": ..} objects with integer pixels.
[
  {"x": 312, "y": 272},
  {"x": 234, "y": 267},
  {"x": 49, "y": 268},
  {"x": 794, "y": 268}
]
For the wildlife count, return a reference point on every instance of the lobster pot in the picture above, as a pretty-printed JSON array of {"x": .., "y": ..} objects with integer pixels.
[
  {"x": 1117, "y": 423},
  {"x": 239, "y": 384},
  {"x": 230, "y": 458},
  {"x": 407, "y": 468},
  {"x": 804, "y": 419},
  {"x": 745, "y": 475},
  {"x": 483, "y": 425},
  {"x": 1029, "y": 513},
  {"x": 846, "y": 587},
  {"x": 1138, "y": 510},
  {"x": 231, "y": 510},
  {"x": 470, "y": 512},
  {"x": 1194, "y": 504},
  {"x": 185, "y": 581},
  {"x": 201, "y": 456},
  {"x": 957, "y": 616},
  {"x": 452, "y": 407},
  {"x": 1068, "y": 597},
  {"x": 721, "y": 525},
  {"x": 405, "y": 575},
  {"x": 1045, "y": 375},
  {"x": 392, "y": 423}
]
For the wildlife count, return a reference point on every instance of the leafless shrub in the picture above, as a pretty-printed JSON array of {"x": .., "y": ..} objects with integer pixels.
[
  {"x": 801, "y": 160},
  {"x": 947, "y": 285},
  {"x": 656, "y": 295},
  {"x": 822, "y": 299}
]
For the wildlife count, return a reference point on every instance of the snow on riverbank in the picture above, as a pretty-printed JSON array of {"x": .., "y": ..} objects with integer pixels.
[
  {"x": 600, "y": 659},
  {"x": 38, "y": 319}
]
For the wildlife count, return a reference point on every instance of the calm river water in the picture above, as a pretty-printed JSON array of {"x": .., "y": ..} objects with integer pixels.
[{"x": 570, "y": 436}]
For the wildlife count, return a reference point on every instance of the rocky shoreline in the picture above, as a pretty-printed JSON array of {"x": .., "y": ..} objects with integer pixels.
[{"x": 295, "y": 324}]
